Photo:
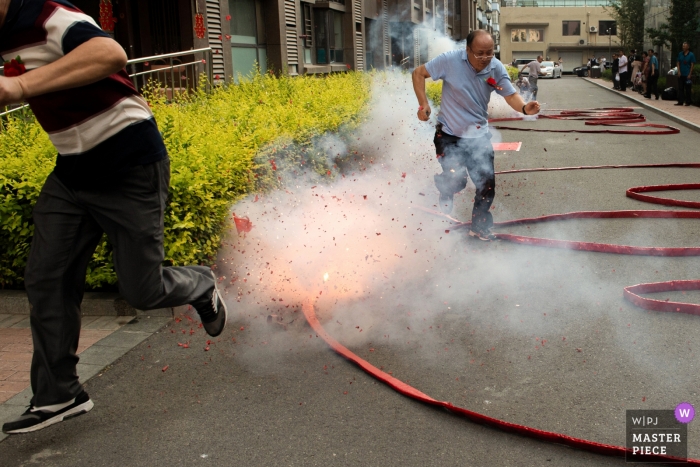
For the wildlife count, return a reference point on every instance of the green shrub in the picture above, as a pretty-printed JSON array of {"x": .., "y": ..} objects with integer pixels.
[
  {"x": 212, "y": 140},
  {"x": 512, "y": 72},
  {"x": 433, "y": 89},
  {"x": 607, "y": 75}
]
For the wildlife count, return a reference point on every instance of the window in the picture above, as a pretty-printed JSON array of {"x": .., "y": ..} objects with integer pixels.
[
  {"x": 247, "y": 38},
  {"x": 328, "y": 28},
  {"x": 603, "y": 27},
  {"x": 308, "y": 31},
  {"x": 527, "y": 35},
  {"x": 571, "y": 28}
]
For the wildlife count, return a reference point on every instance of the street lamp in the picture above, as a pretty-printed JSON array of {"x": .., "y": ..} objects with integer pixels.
[{"x": 609, "y": 45}]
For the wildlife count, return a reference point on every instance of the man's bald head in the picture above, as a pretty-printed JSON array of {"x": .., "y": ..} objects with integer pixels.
[{"x": 479, "y": 39}]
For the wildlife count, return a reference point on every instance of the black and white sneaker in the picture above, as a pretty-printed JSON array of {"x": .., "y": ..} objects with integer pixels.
[
  {"x": 486, "y": 236},
  {"x": 36, "y": 419},
  {"x": 213, "y": 313}
]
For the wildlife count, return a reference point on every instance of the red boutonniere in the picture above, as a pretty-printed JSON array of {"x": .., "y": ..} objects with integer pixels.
[
  {"x": 14, "y": 67},
  {"x": 492, "y": 82}
]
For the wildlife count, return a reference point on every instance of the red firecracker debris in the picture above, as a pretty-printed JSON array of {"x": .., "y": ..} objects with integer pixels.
[
  {"x": 243, "y": 224},
  {"x": 274, "y": 166},
  {"x": 165, "y": 368}
]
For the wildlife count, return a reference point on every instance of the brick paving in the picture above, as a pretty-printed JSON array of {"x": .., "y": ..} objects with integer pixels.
[
  {"x": 690, "y": 113},
  {"x": 16, "y": 347}
]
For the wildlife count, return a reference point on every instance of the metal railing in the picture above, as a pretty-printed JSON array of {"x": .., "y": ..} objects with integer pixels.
[
  {"x": 170, "y": 74},
  {"x": 554, "y": 3},
  {"x": 172, "y": 78}
]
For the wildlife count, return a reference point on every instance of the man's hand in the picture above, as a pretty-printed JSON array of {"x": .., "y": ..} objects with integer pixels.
[
  {"x": 424, "y": 112},
  {"x": 11, "y": 91},
  {"x": 532, "y": 108}
]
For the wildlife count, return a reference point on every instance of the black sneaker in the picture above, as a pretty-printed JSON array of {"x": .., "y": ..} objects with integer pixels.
[
  {"x": 486, "y": 236},
  {"x": 446, "y": 203},
  {"x": 34, "y": 420},
  {"x": 679, "y": 103},
  {"x": 213, "y": 312}
]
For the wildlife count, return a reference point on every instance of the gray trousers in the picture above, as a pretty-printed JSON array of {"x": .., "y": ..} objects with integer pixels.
[{"x": 68, "y": 224}]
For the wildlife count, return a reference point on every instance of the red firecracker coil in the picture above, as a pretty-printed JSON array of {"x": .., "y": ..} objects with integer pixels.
[
  {"x": 107, "y": 19},
  {"x": 199, "y": 28}
]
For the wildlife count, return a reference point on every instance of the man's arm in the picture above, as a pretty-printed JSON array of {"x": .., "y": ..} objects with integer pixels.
[
  {"x": 678, "y": 68},
  {"x": 516, "y": 102},
  {"x": 420, "y": 74},
  {"x": 692, "y": 65},
  {"x": 90, "y": 62}
]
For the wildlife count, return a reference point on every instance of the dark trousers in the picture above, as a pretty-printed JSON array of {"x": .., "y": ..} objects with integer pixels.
[
  {"x": 652, "y": 88},
  {"x": 624, "y": 78},
  {"x": 533, "y": 88},
  {"x": 68, "y": 225},
  {"x": 475, "y": 155},
  {"x": 684, "y": 90}
]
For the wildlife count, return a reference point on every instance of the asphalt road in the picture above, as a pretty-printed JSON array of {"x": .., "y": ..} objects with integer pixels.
[{"x": 534, "y": 336}]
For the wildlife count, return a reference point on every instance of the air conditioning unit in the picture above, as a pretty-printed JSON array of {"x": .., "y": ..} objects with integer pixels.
[
  {"x": 582, "y": 42},
  {"x": 593, "y": 29}
]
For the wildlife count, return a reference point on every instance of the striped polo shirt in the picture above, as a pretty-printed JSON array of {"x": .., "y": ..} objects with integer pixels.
[{"x": 100, "y": 130}]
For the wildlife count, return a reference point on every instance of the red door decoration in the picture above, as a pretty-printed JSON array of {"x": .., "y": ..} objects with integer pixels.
[
  {"x": 199, "y": 28},
  {"x": 107, "y": 19}
]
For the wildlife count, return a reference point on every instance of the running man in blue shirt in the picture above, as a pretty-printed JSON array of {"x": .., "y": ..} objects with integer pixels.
[{"x": 462, "y": 138}]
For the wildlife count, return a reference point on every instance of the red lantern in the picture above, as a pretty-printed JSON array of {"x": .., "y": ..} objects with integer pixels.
[
  {"x": 107, "y": 19},
  {"x": 199, "y": 28}
]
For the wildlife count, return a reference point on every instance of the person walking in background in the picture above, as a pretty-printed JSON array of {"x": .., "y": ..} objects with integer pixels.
[
  {"x": 602, "y": 64},
  {"x": 645, "y": 72},
  {"x": 561, "y": 62},
  {"x": 636, "y": 77},
  {"x": 653, "y": 76},
  {"x": 111, "y": 176},
  {"x": 616, "y": 71},
  {"x": 686, "y": 62},
  {"x": 624, "y": 74},
  {"x": 535, "y": 72}
]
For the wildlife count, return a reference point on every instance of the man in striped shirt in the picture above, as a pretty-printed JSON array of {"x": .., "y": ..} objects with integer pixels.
[{"x": 111, "y": 176}]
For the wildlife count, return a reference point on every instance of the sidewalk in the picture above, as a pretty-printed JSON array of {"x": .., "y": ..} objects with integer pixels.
[{"x": 688, "y": 116}]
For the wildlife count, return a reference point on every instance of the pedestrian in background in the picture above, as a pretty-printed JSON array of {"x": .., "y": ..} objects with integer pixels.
[
  {"x": 636, "y": 73},
  {"x": 535, "y": 72},
  {"x": 111, "y": 176},
  {"x": 623, "y": 70},
  {"x": 686, "y": 62},
  {"x": 645, "y": 72},
  {"x": 616, "y": 71},
  {"x": 653, "y": 76}
]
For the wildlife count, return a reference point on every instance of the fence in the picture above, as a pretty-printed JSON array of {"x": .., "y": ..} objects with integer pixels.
[{"x": 173, "y": 76}]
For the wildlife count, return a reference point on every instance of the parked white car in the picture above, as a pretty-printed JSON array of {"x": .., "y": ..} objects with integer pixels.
[{"x": 552, "y": 70}]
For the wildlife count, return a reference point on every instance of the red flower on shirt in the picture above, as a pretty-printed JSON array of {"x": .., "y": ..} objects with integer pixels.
[
  {"x": 14, "y": 67},
  {"x": 492, "y": 82}
]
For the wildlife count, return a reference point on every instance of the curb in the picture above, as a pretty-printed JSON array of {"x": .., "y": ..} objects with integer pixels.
[
  {"x": 15, "y": 302},
  {"x": 668, "y": 115}
]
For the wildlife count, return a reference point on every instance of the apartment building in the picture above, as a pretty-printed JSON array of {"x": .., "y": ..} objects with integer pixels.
[
  {"x": 574, "y": 30},
  {"x": 293, "y": 36}
]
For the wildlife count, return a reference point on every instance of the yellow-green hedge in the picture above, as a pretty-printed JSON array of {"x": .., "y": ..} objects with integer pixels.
[{"x": 212, "y": 140}]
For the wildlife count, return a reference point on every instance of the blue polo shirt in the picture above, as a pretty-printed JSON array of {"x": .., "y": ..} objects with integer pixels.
[
  {"x": 465, "y": 93},
  {"x": 655, "y": 62},
  {"x": 685, "y": 61}
]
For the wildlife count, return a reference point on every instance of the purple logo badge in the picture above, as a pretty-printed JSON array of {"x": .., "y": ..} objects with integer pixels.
[{"x": 685, "y": 412}]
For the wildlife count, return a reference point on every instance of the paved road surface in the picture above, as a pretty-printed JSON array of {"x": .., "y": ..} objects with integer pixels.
[{"x": 534, "y": 336}]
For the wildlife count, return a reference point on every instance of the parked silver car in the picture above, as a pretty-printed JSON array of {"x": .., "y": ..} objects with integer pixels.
[{"x": 552, "y": 70}]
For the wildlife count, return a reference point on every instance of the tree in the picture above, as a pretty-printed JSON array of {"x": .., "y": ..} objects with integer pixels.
[
  {"x": 681, "y": 27},
  {"x": 629, "y": 16}
]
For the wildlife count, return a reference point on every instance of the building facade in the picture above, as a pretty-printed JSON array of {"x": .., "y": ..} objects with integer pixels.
[
  {"x": 553, "y": 29},
  {"x": 293, "y": 36}
]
